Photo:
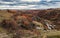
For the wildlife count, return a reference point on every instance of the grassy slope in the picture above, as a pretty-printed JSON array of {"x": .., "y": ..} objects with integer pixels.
[{"x": 53, "y": 34}]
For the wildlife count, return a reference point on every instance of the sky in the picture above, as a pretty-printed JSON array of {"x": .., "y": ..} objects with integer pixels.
[{"x": 29, "y": 4}]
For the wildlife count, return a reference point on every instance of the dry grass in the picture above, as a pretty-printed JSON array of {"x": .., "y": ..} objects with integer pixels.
[{"x": 53, "y": 34}]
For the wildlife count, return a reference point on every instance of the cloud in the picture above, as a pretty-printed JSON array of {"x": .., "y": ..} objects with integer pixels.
[
  {"x": 30, "y": 0},
  {"x": 1, "y": 2},
  {"x": 24, "y": 5},
  {"x": 28, "y": 7},
  {"x": 48, "y": 0}
]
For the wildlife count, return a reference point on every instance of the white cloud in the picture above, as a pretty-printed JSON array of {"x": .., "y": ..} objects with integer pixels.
[
  {"x": 30, "y": 6},
  {"x": 48, "y": 0},
  {"x": 30, "y": 0},
  {"x": 7, "y": 2}
]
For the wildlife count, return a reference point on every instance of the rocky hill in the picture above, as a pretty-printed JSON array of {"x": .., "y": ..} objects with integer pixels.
[{"x": 17, "y": 21}]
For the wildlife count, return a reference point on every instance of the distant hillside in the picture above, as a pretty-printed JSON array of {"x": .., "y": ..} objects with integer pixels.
[
  {"x": 52, "y": 15},
  {"x": 29, "y": 23}
]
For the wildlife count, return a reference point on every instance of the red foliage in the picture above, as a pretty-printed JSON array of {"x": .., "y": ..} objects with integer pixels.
[{"x": 9, "y": 24}]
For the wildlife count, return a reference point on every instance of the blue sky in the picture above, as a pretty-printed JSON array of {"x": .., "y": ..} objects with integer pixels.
[{"x": 29, "y": 4}]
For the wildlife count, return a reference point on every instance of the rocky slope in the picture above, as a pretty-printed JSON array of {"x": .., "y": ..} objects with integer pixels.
[{"x": 19, "y": 22}]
